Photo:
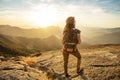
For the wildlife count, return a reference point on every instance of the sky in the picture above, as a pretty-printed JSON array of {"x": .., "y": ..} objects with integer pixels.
[{"x": 42, "y": 13}]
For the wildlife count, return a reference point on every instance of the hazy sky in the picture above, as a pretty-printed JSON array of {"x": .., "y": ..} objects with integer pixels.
[{"x": 32, "y": 13}]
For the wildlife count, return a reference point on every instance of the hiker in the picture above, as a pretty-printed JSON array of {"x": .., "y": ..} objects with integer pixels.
[{"x": 71, "y": 37}]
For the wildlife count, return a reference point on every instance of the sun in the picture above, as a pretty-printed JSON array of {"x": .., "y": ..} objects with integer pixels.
[{"x": 44, "y": 17}]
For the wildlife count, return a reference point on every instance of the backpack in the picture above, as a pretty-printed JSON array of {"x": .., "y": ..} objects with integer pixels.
[{"x": 70, "y": 37}]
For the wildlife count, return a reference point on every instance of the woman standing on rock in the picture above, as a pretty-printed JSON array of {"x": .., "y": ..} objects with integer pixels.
[{"x": 71, "y": 37}]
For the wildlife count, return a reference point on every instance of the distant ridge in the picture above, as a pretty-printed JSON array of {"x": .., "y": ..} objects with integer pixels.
[
  {"x": 30, "y": 33},
  {"x": 25, "y": 46},
  {"x": 89, "y": 35}
]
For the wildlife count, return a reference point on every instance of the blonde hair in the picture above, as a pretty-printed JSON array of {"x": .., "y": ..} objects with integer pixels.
[{"x": 70, "y": 23}]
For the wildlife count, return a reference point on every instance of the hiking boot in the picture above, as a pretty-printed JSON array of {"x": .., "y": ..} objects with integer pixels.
[{"x": 80, "y": 72}]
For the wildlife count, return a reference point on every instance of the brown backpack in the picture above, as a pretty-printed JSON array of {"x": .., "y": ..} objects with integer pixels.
[
  {"x": 70, "y": 40},
  {"x": 70, "y": 37}
]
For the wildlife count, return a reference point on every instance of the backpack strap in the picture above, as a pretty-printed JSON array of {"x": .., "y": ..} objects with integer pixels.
[{"x": 70, "y": 43}]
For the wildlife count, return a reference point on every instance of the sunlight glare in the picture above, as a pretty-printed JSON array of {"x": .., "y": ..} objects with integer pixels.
[{"x": 45, "y": 17}]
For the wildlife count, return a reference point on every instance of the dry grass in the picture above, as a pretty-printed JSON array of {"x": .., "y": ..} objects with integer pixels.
[{"x": 31, "y": 61}]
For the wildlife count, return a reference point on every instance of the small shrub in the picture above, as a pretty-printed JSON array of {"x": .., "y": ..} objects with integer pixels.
[{"x": 31, "y": 61}]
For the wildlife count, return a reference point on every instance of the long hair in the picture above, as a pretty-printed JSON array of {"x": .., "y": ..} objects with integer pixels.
[{"x": 70, "y": 24}]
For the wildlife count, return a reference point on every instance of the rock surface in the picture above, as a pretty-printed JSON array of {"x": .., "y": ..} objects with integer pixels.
[
  {"x": 13, "y": 70},
  {"x": 99, "y": 63}
]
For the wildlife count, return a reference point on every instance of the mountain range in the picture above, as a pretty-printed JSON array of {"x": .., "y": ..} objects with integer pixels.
[
  {"x": 15, "y": 46},
  {"x": 19, "y": 40}
]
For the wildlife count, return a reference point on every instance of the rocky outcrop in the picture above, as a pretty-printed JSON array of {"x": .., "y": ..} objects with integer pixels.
[
  {"x": 19, "y": 70},
  {"x": 99, "y": 63}
]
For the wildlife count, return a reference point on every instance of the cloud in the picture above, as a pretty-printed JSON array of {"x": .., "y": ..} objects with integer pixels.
[
  {"x": 109, "y": 6},
  {"x": 90, "y": 12}
]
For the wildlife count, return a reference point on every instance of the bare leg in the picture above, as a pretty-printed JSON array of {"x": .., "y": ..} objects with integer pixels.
[
  {"x": 78, "y": 56},
  {"x": 65, "y": 58}
]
